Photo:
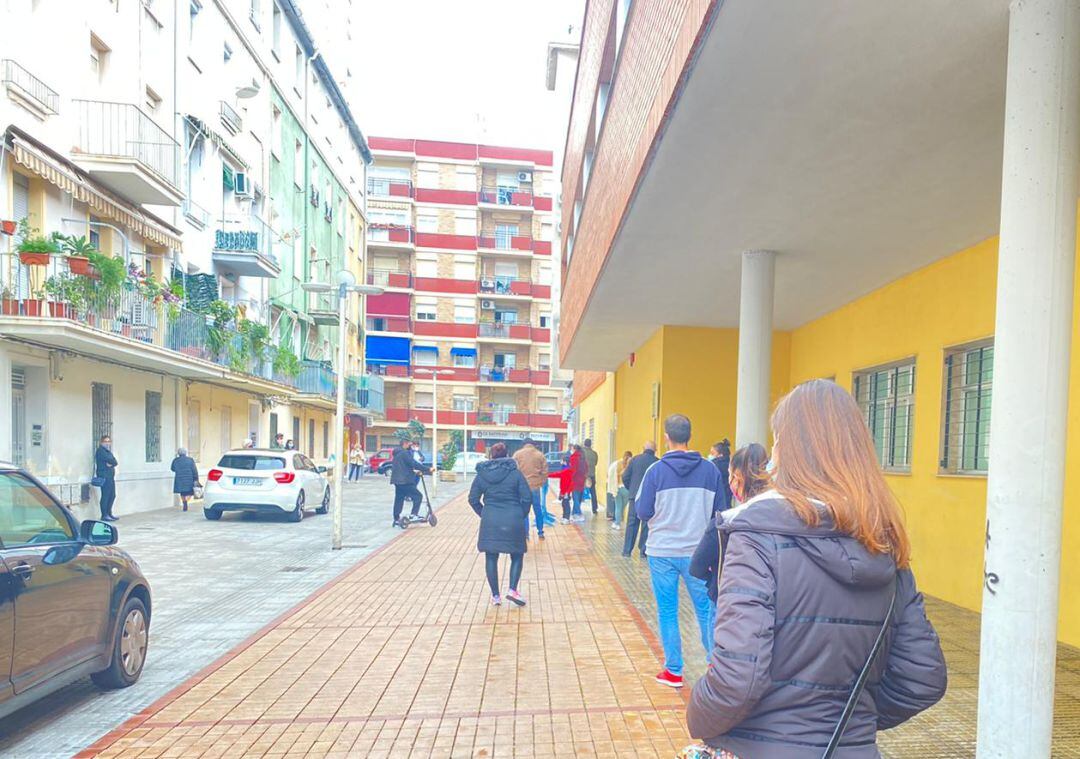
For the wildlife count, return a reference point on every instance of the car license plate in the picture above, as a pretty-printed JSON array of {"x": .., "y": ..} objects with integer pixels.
[{"x": 246, "y": 481}]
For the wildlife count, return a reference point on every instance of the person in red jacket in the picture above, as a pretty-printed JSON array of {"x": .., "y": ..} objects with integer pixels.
[
  {"x": 565, "y": 478},
  {"x": 579, "y": 469}
]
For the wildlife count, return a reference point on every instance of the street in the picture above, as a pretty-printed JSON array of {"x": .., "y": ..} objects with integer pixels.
[{"x": 214, "y": 584}]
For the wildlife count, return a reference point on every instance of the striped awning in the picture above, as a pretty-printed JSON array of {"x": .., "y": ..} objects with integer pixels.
[{"x": 68, "y": 181}]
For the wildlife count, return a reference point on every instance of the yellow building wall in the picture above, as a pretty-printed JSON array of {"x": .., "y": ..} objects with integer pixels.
[
  {"x": 599, "y": 408},
  {"x": 634, "y": 393}
]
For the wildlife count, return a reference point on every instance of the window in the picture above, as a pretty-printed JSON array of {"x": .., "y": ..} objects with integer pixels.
[
  {"x": 310, "y": 438},
  {"x": 887, "y": 399},
  {"x": 153, "y": 100},
  {"x": 194, "y": 431},
  {"x": 427, "y": 222},
  {"x": 99, "y": 53},
  {"x": 506, "y": 360},
  {"x": 545, "y": 319},
  {"x": 427, "y": 267},
  {"x": 507, "y": 179},
  {"x": 153, "y": 426},
  {"x": 298, "y": 164},
  {"x": 298, "y": 79},
  {"x": 543, "y": 361},
  {"x": 427, "y": 176},
  {"x": 465, "y": 179},
  {"x": 465, "y": 223},
  {"x": 464, "y": 268},
  {"x": 544, "y": 275},
  {"x": 464, "y": 403},
  {"x": 226, "y": 428},
  {"x": 465, "y": 361},
  {"x": 28, "y": 516},
  {"x": 227, "y": 53},
  {"x": 969, "y": 374},
  {"x": 504, "y": 235},
  {"x": 276, "y": 31},
  {"x": 547, "y": 404},
  {"x": 506, "y": 269},
  {"x": 426, "y": 310},
  {"x": 423, "y": 355},
  {"x": 423, "y": 399},
  {"x": 275, "y": 131},
  {"x": 326, "y": 440},
  {"x": 251, "y": 462},
  {"x": 465, "y": 313},
  {"x": 101, "y": 411}
]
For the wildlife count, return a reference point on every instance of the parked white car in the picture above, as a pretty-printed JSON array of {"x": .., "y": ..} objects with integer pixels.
[
  {"x": 265, "y": 481},
  {"x": 467, "y": 460}
]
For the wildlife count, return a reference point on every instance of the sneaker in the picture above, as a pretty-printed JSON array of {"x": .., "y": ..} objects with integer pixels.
[
  {"x": 541, "y": 536},
  {"x": 666, "y": 678},
  {"x": 496, "y": 600},
  {"x": 516, "y": 598},
  {"x": 564, "y": 520},
  {"x": 614, "y": 525}
]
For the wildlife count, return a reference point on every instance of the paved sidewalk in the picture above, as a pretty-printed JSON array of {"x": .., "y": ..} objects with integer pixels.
[
  {"x": 213, "y": 584},
  {"x": 404, "y": 656}
]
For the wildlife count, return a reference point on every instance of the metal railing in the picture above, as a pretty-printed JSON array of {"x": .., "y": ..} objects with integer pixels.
[
  {"x": 506, "y": 196},
  {"x": 29, "y": 86},
  {"x": 367, "y": 392},
  {"x": 122, "y": 130},
  {"x": 390, "y": 233},
  {"x": 196, "y": 213},
  {"x": 245, "y": 234},
  {"x": 497, "y": 329},
  {"x": 389, "y": 188},
  {"x": 499, "y": 285},
  {"x": 317, "y": 379},
  {"x": 389, "y": 278},
  {"x": 230, "y": 118}
]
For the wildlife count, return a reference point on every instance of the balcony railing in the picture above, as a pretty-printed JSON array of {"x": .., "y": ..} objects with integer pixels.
[
  {"x": 28, "y": 86},
  {"x": 399, "y": 233},
  {"x": 389, "y": 278},
  {"x": 389, "y": 188},
  {"x": 121, "y": 130},
  {"x": 316, "y": 379},
  {"x": 506, "y": 196},
  {"x": 490, "y": 373},
  {"x": 367, "y": 392},
  {"x": 496, "y": 285},
  {"x": 230, "y": 118},
  {"x": 505, "y": 241},
  {"x": 195, "y": 213},
  {"x": 486, "y": 417},
  {"x": 504, "y": 330},
  {"x": 376, "y": 323}
]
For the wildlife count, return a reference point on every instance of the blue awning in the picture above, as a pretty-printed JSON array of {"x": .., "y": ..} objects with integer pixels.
[
  {"x": 431, "y": 348},
  {"x": 387, "y": 350},
  {"x": 463, "y": 351}
]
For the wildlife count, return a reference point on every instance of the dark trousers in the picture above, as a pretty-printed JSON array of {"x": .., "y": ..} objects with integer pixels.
[
  {"x": 632, "y": 523},
  {"x": 403, "y": 493},
  {"x": 517, "y": 560},
  {"x": 591, "y": 490},
  {"x": 565, "y": 500},
  {"x": 354, "y": 472},
  {"x": 108, "y": 496}
]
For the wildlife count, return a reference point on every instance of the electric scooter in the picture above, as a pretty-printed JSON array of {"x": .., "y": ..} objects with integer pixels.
[{"x": 430, "y": 518}]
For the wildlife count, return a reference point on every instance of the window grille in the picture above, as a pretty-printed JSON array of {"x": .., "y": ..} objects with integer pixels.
[
  {"x": 886, "y": 397},
  {"x": 101, "y": 419},
  {"x": 968, "y": 375},
  {"x": 153, "y": 426}
]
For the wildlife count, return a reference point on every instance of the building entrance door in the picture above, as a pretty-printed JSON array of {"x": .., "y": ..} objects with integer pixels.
[{"x": 18, "y": 416}]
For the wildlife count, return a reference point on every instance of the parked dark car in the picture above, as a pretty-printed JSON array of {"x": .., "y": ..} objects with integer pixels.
[{"x": 72, "y": 604}]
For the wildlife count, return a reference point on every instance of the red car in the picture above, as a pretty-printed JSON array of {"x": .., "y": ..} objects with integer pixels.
[{"x": 380, "y": 462}]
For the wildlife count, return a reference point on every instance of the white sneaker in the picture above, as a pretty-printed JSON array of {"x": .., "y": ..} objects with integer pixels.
[
  {"x": 564, "y": 521},
  {"x": 614, "y": 525}
]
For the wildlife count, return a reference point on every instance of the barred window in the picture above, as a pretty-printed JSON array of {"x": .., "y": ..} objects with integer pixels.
[
  {"x": 969, "y": 374},
  {"x": 153, "y": 426},
  {"x": 886, "y": 396},
  {"x": 101, "y": 408}
]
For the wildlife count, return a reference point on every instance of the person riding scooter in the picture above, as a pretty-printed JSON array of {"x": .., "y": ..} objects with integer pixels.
[{"x": 405, "y": 471}]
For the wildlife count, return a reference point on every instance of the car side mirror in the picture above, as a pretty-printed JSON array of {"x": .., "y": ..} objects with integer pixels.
[
  {"x": 95, "y": 533},
  {"x": 320, "y": 469}
]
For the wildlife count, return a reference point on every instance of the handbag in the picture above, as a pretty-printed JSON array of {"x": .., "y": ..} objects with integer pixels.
[
  {"x": 860, "y": 681},
  {"x": 97, "y": 482}
]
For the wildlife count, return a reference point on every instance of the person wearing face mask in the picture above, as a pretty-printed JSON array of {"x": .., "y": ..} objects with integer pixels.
[
  {"x": 105, "y": 472},
  {"x": 748, "y": 478},
  {"x": 720, "y": 456}
]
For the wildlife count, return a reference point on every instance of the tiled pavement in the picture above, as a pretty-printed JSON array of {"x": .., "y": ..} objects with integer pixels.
[
  {"x": 947, "y": 730},
  {"x": 403, "y": 656},
  {"x": 213, "y": 584}
]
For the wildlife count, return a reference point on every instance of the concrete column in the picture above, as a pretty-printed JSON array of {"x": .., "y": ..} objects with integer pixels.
[
  {"x": 755, "y": 347},
  {"x": 1031, "y": 380}
]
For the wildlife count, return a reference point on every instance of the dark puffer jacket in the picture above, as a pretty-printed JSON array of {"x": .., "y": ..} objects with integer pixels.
[
  {"x": 798, "y": 610},
  {"x": 404, "y": 467},
  {"x": 500, "y": 495}
]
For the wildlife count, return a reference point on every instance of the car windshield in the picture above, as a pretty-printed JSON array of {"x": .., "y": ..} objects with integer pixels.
[
  {"x": 247, "y": 461},
  {"x": 27, "y": 515}
]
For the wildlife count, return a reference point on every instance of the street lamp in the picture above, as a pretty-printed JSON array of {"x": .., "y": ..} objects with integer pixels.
[
  {"x": 435, "y": 373},
  {"x": 346, "y": 284}
]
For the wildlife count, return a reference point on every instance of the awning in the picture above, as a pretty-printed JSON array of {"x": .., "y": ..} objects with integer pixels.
[
  {"x": 387, "y": 350},
  {"x": 431, "y": 348},
  {"x": 70, "y": 182},
  {"x": 463, "y": 351}
]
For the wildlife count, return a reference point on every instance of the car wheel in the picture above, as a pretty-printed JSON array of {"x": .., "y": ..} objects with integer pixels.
[
  {"x": 297, "y": 513},
  {"x": 325, "y": 508},
  {"x": 129, "y": 648},
  {"x": 212, "y": 514}
]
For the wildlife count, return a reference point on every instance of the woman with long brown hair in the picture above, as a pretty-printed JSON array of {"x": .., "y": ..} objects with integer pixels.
[{"x": 813, "y": 570}]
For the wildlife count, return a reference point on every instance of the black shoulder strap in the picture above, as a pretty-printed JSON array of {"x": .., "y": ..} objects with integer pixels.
[{"x": 860, "y": 682}]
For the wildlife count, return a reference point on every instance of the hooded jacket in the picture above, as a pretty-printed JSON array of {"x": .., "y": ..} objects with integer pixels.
[
  {"x": 678, "y": 497},
  {"x": 798, "y": 610},
  {"x": 579, "y": 469},
  {"x": 501, "y": 496},
  {"x": 404, "y": 467}
]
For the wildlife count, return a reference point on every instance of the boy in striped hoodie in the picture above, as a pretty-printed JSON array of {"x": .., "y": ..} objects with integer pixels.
[{"x": 678, "y": 497}]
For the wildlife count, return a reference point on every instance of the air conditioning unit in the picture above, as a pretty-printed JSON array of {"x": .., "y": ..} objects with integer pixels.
[
  {"x": 525, "y": 176},
  {"x": 241, "y": 185},
  {"x": 487, "y": 284},
  {"x": 487, "y": 305}
]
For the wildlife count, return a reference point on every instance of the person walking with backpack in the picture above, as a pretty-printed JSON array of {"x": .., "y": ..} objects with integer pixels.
[
  {"x": 678, "y": 497},
  {"x": 632, "y": 477},
  {"x": 500, "y": 495},
  {"x": 815, "y": 571}
]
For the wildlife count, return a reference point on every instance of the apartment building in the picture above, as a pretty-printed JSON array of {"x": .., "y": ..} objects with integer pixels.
[
  {"x": 205, "y": 145},
  {"x": 460, "y": 236}
]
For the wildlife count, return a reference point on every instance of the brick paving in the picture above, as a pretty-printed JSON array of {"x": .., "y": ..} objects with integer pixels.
[{"x": 404, "y": 656}]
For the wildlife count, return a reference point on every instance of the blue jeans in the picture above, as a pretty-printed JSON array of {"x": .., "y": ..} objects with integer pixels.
[
  {"x": 538, "y": 510},
  {"x": 577, "y": 504},
  {"x": 666, "y": 572}
]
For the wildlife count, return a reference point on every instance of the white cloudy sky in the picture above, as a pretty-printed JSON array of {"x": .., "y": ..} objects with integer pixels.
[{"x": 462, "y": 70}]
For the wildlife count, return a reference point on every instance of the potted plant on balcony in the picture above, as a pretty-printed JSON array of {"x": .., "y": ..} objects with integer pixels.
[
  {"x": 77, "y": 250},
  {"x": 66, "y": 296},
  {"x": 9, "y": 306},
  {"x": 34, "y": 248},
  {"x": 219, "y": 315},
  {"x": 285, "y": 363}
]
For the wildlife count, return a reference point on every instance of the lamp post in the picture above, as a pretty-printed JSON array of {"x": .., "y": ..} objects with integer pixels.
[
  {"x": 346, "y": 284},
  {"x": 434, "y": 418}
]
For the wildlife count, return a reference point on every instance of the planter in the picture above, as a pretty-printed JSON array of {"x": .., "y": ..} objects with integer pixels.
[
  {"x": 34, "y": 307},
  {"x": 34, "y": 259},
  {"x": 81, "y": 265},
  {"x": 61, "y": 310},
  {"x": 9, "y": 307},
  {"x": 447, "y": 476},
  {"x": 8, "y": 227}
]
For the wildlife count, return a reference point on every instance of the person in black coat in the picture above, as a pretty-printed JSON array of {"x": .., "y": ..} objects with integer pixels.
[
  {"x": 500, "y": 495},
  {"x": 105, "y": 469},
  {"x": 632, "y": 477},
  {"x": 185, "y": 476},
  {"x": 720, "y": 456},
  {"x": 405, "y": 472}
]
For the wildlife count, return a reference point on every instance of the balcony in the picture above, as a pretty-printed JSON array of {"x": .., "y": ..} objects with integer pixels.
[
  {"x": 504, "y": 331},
  {"x": 367, "y": 392},
  {"x": 514, "y": 375},
  {"x": 389, "y": 323},
  {"x": 505, "y": 243},
  {"x": 448, "y": 197},
  {"x": 243, "y": 246},
  {"x": 506, "y": 196},
  {"x": 394, "y": 189},
  {"x": 422, "y": 373},
  {"x": 501, "y": 417},
  {"x": 316, "y": 379},
  {"x": 122, "y": 148},
  {"x": 505, "y": 286},
  {"x": 445, "y": 285},
  {"x": 391, "y": 235},
  {"x": 390, "y": 278},
  {"x": 28, "y": 89},
  {"x": 196, "y": 215},
  {"x": 444, "y": 329},
  {"x": 323, "y": 308},
  {"x": 230, "y": 119}
]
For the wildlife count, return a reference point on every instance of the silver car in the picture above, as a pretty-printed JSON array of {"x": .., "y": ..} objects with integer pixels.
[{"x": 266, "y": 481}]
